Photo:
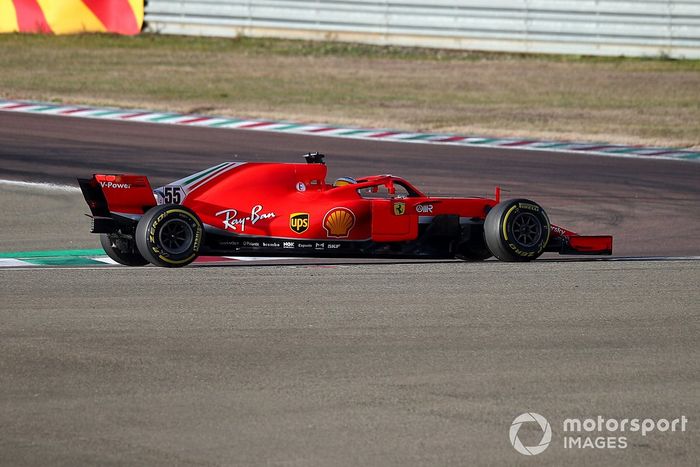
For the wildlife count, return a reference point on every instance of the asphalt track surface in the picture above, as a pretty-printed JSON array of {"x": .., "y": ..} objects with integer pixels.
[
  {"x": 650, "y": 206},
  {"x": 373, "y": 364}
]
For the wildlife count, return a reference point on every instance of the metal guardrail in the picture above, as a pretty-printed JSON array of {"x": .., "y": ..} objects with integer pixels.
[{"x": 585, "y": 27}]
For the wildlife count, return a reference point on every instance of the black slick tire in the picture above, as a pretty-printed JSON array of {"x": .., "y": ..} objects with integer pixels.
[
  {"x": 517, "y": 230},
  {"x": 169, "y": 235}
]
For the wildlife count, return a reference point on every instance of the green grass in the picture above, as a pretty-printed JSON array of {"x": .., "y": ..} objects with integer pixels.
[
  {"x": 629, "y": 100},
  {"x": 281, "y": 47}
]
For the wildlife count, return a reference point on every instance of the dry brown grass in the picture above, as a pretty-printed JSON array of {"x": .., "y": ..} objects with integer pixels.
[{"x": 618, "y": 100}]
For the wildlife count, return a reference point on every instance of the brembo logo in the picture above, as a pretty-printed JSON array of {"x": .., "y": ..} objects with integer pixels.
[
  {"x": 546, "y": 433},
  {"x": 114, "y": 185}
]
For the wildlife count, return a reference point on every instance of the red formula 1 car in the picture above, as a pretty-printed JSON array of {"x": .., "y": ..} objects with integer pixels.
[{"x": 278, "y": 209}]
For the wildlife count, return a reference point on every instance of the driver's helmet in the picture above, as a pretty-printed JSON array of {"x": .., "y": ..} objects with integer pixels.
[{"x": 342, "y": 181}]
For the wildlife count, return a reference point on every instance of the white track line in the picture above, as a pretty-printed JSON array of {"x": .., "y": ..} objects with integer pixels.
[
  {"x": 13, "y": 263},
  {"x": 41, "y": 186},
  {"x": 103, "y": 259}
]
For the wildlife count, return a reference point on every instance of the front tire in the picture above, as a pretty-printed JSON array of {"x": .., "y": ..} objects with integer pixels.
[
  {"x": 169, "y": 235},
  {"x": 517, "y": 230},
  {"x": 122, "y": 250}
]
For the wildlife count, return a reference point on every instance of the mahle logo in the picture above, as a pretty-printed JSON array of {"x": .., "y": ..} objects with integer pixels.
[
  {"x": 299, "y": 222},
  {"x": 528, "y": 418}
]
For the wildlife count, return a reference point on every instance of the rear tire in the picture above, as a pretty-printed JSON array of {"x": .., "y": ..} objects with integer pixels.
[
  {"x": 169, "y": 235},
  {"x": 517, "y": 230},
  {"x": 122, "y": 250}
]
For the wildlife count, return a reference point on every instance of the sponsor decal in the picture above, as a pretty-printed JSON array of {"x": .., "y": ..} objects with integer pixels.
[
  {"x": 338, "y": 222},
  {"x": 520, "y": 252},
  {"x": 271, "y": 245},
  {"x": 558, "y": 230},
  {"x": 424, "y": 208},
  {"x": 248, "y": 243},
  {"x": 529, "y": 206},
  {"x": 114, "y": 185},
  {"x": 299, "y": 222},
  {"x": 230, "y": 243},
  {"x": 287, "y": 244},
  {"x": 333, "y": 246},
  {"x": 305, "y": 245},
  {"x": 231, "y": 220},
  {"x": 320, "y": 246},
  {"x": 198, "y": 236},
  {"x": 399, "y": 208},
  {"x": 301, "y": 186}
]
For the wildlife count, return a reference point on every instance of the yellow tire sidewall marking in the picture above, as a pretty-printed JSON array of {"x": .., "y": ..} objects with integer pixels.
[
  {"x": 197, "y": 233},
  {"x": 505, "y": 233},
  {"x": 505, "y": 221}
]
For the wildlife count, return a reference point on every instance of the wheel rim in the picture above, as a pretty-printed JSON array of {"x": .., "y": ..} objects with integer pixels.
[
  {"x": 527, "y": 229},
  {"x": 175, "y": 236}
]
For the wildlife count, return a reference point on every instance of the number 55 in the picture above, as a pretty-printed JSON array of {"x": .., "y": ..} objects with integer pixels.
[{"x": 172, "y": 195}]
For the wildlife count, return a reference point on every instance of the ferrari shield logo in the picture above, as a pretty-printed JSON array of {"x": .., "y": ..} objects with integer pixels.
[
  {"x": 299, "y": 222},
  {"x": 399, "y": 209}
]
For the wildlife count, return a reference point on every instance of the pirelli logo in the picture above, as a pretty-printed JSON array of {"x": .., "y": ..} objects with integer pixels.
[{"x": 299, "y": 222}]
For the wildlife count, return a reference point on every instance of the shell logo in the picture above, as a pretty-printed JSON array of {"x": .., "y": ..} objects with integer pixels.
[{"x": 338, "y": 222}]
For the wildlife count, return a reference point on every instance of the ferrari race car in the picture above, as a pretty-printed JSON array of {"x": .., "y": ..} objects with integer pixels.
[{"x": 285, "y": 209}]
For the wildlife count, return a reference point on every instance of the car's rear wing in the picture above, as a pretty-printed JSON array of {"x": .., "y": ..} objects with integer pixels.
[{"x": 115, "y": 198}]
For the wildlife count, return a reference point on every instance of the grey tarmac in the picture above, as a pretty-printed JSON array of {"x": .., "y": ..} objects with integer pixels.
[
  {"x": 651, "y": 206},
  {"x": 420, "y": 364},
  {"x": 344, "y": 364}
]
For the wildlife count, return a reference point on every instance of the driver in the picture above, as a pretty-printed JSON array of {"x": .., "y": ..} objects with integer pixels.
[{"x": 342, "y": 181}]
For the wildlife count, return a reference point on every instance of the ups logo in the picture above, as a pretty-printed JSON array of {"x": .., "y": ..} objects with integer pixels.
[{"x": 299, "y": 222}]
